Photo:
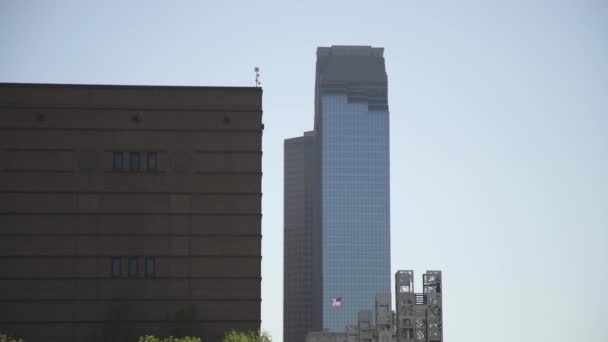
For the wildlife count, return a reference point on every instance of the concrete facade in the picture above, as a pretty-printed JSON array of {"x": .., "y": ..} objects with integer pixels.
[
  {"x": 384, "y": 318},
  {"x": 419, "y": 315},
  {"x": 127, "y": 210}
]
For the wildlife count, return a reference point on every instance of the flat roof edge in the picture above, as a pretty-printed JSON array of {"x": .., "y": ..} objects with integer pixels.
[{"x": 133, "y": 86}]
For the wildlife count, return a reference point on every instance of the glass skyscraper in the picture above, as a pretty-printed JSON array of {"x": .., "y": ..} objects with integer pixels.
[
  {"x": 350, "y": 190},
  {"x": 352, "y": 120}
]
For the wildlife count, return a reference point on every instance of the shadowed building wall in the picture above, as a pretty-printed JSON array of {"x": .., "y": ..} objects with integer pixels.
[
  {"x": 298, "y": 239},
  {"x": 127, "y": 210}
]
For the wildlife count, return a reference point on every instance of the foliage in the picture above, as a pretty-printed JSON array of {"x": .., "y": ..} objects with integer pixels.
[
  {"x": 6, "y": 338},
  {"x": 150, "y": 338},
  {"x": 246, "y": 336}
]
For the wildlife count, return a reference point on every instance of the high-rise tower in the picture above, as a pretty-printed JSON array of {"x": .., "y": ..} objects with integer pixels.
[
  {"x": 297, "y": 282},
  {"x": 352, "y": 124},
  {"x": 350, "y": 231}
]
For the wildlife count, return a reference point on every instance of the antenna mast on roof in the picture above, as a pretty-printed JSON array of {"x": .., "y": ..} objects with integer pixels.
[{"x": 257, "y": 77}]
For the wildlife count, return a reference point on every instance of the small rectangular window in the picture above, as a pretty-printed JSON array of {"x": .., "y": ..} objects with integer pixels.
[
  {"x": 150, "y": 266},
  {"x": 119, "y": 161},
  {"x": 135, "y": 162},
  {"x": 152, "y": 162},
  {"x": 116, "y": 267},
  {"x": 132, "y": 266}
]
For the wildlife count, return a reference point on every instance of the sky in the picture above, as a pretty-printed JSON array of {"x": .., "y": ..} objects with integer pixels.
[{"x": 499, "y": 130}]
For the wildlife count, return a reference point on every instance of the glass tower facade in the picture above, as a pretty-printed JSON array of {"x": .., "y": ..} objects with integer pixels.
[
  {"x": 355, "y": 204},
  {"x": 352, "y": 120},
  {"x": 337, "y": 245}
]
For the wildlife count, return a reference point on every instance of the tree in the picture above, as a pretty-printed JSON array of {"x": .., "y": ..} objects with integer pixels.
[
  {"x": 6, "y": 338},
  {"x": 246, "y": 336}
]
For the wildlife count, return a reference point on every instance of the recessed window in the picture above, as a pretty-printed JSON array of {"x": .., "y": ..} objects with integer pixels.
[
  {"x": 152, "y": 162},
  {"x": 132, "y": 266},
  {"x": 119, "y": 161},
  {"x": 116, "y": 267},
  {"x": 150, "y": 266},
  {"x": 135, "y": 161}
]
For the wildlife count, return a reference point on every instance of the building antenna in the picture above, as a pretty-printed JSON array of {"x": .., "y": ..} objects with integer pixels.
[{"x": 257, "y": 77}]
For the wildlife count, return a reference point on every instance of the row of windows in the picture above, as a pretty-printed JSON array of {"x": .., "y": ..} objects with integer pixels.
[
  {"x": 135, "y": 159},
  {"x": 133, "y": 269}
]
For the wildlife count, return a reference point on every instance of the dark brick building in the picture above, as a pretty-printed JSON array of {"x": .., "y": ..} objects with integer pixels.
[{"x": 127, "y": 210}]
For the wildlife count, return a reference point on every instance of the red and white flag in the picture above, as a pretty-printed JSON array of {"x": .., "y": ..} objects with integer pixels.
[{"x": 336, "y": 302}]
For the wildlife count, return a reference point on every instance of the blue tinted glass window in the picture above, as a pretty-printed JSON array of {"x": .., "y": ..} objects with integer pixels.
[
  {"x": 119, "y": 161},
  {"x": 355, "y": 205},
  {"x": 152, "y": 161},
  {"x": 135, "y": 161},
  {"x": 150, "y": 266},
  {"x": 116, "y": 266},
  {"x": 132, "y": 266}
]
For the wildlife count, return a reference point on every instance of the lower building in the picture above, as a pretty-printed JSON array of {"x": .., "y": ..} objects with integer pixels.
[
  {"x": 298, "y": 238},
  {"x": 418, "y": 316},
  {"x": 325, "y": 337},
  {"x": 129, "y": 210}
]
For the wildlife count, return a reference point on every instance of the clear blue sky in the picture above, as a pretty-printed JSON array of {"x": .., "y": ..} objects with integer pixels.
[{"x": 499, "y": 130}]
